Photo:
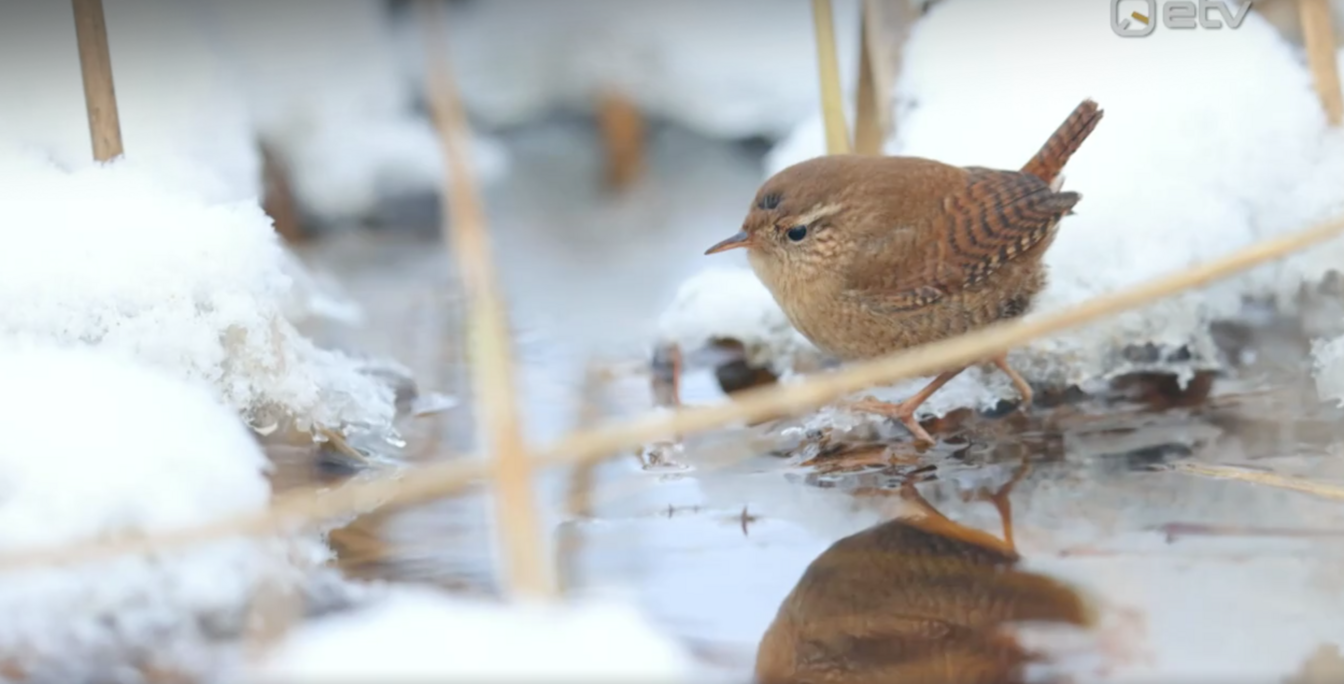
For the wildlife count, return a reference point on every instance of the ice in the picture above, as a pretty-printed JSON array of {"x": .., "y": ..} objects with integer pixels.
[
  {"x": 1190, "y": 163},
  {"x": 735, "y": 69},
  {"x": 108, "y": 257},
  {"x": 321, "y": 81},
  {"x": 421, "y": 635},
  {"x": 97, "y": 449}
]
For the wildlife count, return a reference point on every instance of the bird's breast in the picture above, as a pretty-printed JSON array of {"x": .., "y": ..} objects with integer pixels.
[{"x": 816, "y": 308}]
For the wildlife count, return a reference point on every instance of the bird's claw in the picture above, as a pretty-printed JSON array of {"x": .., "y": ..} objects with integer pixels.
[{"x": 901, "y": 412}]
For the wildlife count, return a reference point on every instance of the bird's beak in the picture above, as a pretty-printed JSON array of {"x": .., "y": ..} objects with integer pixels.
[{"x": 742, "y": 239}]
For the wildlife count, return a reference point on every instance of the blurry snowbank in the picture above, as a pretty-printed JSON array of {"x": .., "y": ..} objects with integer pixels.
[
  {"x": 1188, "y": 165},
  {"x": 731, "y": 69},
  {"x": 106, "y": 256},
  {"x": 323, "y": 86},
  {"x": 732, "y": 304},
  {"x": 1284, "y": 15},
  {"x": 180, "y": 114},
  {"x": 199, "y": 83},
  {"x": 422, "y": 635},
  {"x": 96, "y": 449}
]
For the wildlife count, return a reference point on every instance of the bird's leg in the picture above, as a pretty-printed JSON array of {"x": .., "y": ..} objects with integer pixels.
[
  {"x": 905, "y": 411},
  {"x": 677, "y": 369},
  {"x": 665, "y": 378},
  {"x": 933, "y": 520},
  {"x": 1004, "y": 505},
  {"x": 1001, "y": 361}
]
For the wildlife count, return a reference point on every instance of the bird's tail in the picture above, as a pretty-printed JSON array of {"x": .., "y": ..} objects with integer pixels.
[{"x": 1047, "y": 163}]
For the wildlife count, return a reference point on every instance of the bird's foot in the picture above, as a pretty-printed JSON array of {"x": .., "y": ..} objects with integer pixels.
[
  {"x": 903, "y": 412},
  {"x": 1019, "y": 382}
]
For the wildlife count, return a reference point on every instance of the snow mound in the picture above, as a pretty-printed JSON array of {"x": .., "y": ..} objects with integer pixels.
[
  {"x": 321, "y": 80},
  {"x": 95, "y": 449},
  {"x": 424, "y": 635},
  {"x": 180, "y": 113},
  {"x": 1183, "y": 169},
  {"x": 105, "y": 256},
  {"x": 730, "y": 69},
  {"x": 732, "y": 304}
]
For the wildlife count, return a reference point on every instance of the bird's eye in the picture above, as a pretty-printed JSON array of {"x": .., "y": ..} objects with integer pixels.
[{"x": 797, "y": 233}]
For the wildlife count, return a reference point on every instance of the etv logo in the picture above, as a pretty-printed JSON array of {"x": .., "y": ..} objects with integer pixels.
[{"x": 1176, "y": 14}]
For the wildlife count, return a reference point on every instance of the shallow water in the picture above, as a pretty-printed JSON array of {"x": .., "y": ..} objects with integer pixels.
[{"x": 1193, "y": 575}]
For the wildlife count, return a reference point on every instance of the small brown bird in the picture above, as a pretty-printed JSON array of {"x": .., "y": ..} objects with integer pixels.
[{"x": 871, "y": 255}]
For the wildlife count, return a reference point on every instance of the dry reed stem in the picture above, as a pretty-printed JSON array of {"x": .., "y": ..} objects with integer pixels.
[
  {"x": 304, "y": 507},
  {"x": 579, "y": 496},
  {"x": 579, "y": 499},
  {"x": 95, "y": 64},
  {"x": 342, "y": 446},
  {"x": 1297, "y": 484},
  {"x": 528, "y": 571},
  {"x": 1318, "y": 36},
  {"x": 279, "y": 202},
  {"x": 871, "y": 100},
  {"x": 895, "y": 21},
  {"x": 828, "y": 69},
  {"x": 621, "y": 124}
]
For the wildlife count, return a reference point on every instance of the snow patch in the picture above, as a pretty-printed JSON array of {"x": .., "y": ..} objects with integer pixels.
[
  {"x": 321, "y": 80},
  {"x": 97, "y": 449},
  {"x": 420, "y": 635},
  {"x": 105, "y": 256},
  {"x": 729, "y": 69}
]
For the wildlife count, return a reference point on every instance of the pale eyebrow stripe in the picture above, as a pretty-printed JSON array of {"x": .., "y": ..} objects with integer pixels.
[{"x": 819, "y": 212}]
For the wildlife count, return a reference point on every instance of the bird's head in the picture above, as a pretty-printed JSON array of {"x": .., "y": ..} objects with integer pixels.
[{"x": 796, "y": 219}]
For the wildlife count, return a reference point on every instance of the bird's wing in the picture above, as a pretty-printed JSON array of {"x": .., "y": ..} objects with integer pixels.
[{"x": 997, "y": 217}]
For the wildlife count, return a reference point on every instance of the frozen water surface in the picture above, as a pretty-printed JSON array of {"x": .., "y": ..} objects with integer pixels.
[{"x": 1189, "y": 575}]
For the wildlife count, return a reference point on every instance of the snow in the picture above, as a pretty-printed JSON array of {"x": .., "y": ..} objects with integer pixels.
[
  {"x": 321, "y": 81},
  {"x": 731, "y": 304},
  {"x": 180, "y": 114},
  {"x": 422, "y": 635},
  {"x": 1188, "y": 164},
  {"x": 1327, "y": 351},
  {"x": 106, "y": 256},
  {"x": 687, "y": 61},
  {"x": 97, "y": 448},
  {"x": 182, "y": 118}
]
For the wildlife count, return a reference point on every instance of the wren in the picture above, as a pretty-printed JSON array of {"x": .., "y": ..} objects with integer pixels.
[
  {"x": 916, "y": 599},
  {"x": 870, "y": 255}
]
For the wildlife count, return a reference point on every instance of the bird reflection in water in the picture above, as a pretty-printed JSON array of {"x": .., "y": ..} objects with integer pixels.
[{"x": 917, "y": 599}]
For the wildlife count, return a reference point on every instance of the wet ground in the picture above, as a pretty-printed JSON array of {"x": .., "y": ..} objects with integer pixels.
[{"x": 1132, "y": 500}]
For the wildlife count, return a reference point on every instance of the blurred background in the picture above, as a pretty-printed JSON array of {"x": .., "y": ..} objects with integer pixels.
[{"x": 614, "y": 141}]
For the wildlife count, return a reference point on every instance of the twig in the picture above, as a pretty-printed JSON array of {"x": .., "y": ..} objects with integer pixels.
[
  {"x": 1297, "y": 484},
  {"x": 95, "y": 63},
  {"x": 279, "y": 198},
  {"x": 872, "y": 99},
  {"x": 302, "y": 507},
  {"x": 579, "y": 497},
  {"x": 492, "y": 365},
  {"x": 828, "y": 69},
  {"x": 342, "y": 446},
  {"x": 1318, "y": 36},
  {"x": 893, "y": 26},
  {"x": 621, "y": 124}
]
